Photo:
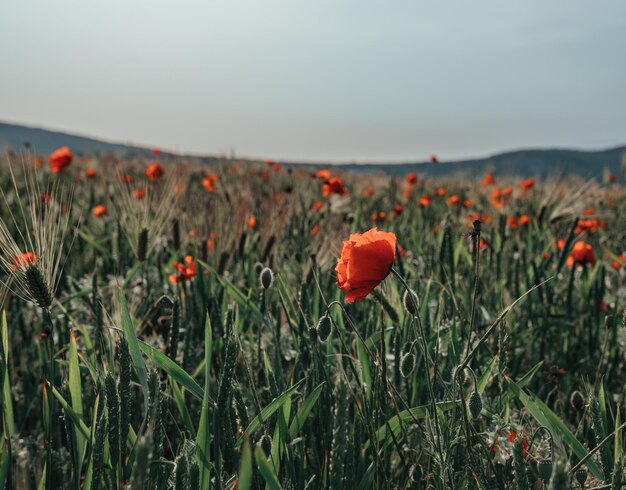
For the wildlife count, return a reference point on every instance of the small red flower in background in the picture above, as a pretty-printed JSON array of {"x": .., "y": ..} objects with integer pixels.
[
  {"x": 317, "y": 205},
  {"x": 99, "y": 211},
  {"x": 488, "y": 180},
  {"x": 186, "y": 270},
  {"x": 251, "y": 222},
  {"x": 139, "y": 194},
  {"x": 524, "y": 220},
  {"x": 589, "y": 211},
  {"x": 366, "y": 259},
  {"x": 425, "y": 201},
  {"x": 582, "y": 253},
  {"x": 315, "y": 229},
  {"x": 125, "y": 178},
  {"x": 411, "y": 178},
  {"x": 154, "y": 171},
  {"x": 208, "y": 182},
  {"x": 441, "y": 191},
  {"x": 380, "y": 216},
  {"x": 23, "y": 260},
  {"x": 323, "y": 174},
  {"x": 276, "y": 167},
  {"x": 612, "y": 178},
  {"x": 433, "y": 158},
  {"x": 60, "y": 159},
  {"x": 484, "y": 218},
  {"x": 156, "y": 151},
  {"x": 619, "y": 262},
  {"x": 398, "y": 209},
  {"x": 453, "y": 200},
  {"x": 90, "y": 173},
  {"x": 333, "y": 186},
  {"x": 511, "y": 222},
  {"x": 45, "y": 197},
  {"x": 210, "y": 243},
  {"x": 368, "y": 191},
  {"x": 467, "y": 203},
  {"x": 527, "y": 184}
]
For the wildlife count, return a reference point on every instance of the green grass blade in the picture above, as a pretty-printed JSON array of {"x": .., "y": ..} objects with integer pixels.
[
  {"x": 546, "y": 417},
  {"x": 244, "y": 482},
  {"x": 304, "y": 411},
  {"x": 266, "y": 470},
  {"x": 7, "y": 402},
  {"x": 203, "y": 441}
]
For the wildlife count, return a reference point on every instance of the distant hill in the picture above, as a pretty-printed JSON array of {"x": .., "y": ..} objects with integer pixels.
[{"x": 538, "y": 162}]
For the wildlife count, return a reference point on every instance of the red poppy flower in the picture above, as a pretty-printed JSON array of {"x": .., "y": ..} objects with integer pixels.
[
  {"x": 511, "y": 222},
  {"x": 366, "y": 259},
  {"x": 467, "y": 203},
  {"x": 433, "y": 158},
  {"x": 156, "y": 151},
  {"x": 333, "y": 186},
  {"x": 186, "y": 270},
  {"x": 612, "y": 178},
  {"x": 99, "y": 211},
  {"x": 582, "y": 253},
  {"x": 441, "y": 191},
  {"x": 323, "y": 174},
  {"x": 527, "y": 184},
  {"x": 154, "y": 171},
  {"x": 424, "y": 201},
  {"x": 315, "y": 229},
  {"x": 251, "y": 222},
  {"x": 411, "y": 178},
  {"x": 398, "y": 209},
  {"x": 23, "y": 260},
  {"x": 317, "y": 205},
  {"x": 60, "y": 159},
  {"x": 139, "y": 194},
  {"x": 368, "y": 191},
  {"x": 488, "y": 180},
  {"x": 453, "y": 200},
  {"x": 619, "y": 262},
  {"x": 524, "y": 220},
  {"x": 90, "y": 173},
  {"x": 208, "y": 182}
]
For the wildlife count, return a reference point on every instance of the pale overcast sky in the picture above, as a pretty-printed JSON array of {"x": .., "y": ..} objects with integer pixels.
[{"x": 320, "y": 79}]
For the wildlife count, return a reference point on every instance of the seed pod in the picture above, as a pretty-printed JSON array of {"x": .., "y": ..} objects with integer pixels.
[
  {"x": 267, "y": 278},
  {"x": 581, "y": 476},
  {"x": 411, "y": 302},
  {"x": 544, "y": 468},
  {"x": 176, "y": 234},
  {"x": 258, "y": 267},
  {"x": 312, "y": 334},
  {"x": 324, "y": 327},
  {"x": 475, "y": 405},
  {"x": 407, "y": 364},
  {"x": 266, "y": 444}
]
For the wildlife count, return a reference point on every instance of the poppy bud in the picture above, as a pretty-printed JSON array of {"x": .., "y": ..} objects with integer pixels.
[
  {"x": 258, "y": 267},
  {"x": 267, "y": 278},
  {"x": 475, "y": 405},
  {"x": 581, "y": 476},
  {"x": 142, "y": 245},
  {"x": 407, "y": 364},
  {"x": 544, "y": 468},
  {"x": 477, "y": 225},
  {"x": 323, "y": 328},
  {"x": 266, "y": 444},
  {"x": 411, "y": 302},
  {"x": 313, "y": 333}
]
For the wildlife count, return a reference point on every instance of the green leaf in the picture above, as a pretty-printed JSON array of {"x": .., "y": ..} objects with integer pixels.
[
  {"x": 78, "y": 423},
  {"x": 266, "y": 470},
  {"x": 203, "y": 440},
  {"x": 133, "y": 347},
  {"x": 76, "y": 396},
  {"x": 179, "y": 399},
  {"x": 244, "y": 482},
  {"x": 546, "y": 417},
  {"x": 304, "y": 411},
  {"x": 176, "y": 372},
  {"x": 7, "y": 403},
  {"x": 267, "y": 412}
]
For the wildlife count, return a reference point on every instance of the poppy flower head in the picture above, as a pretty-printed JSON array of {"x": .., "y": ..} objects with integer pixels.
[
  {"x": 154, "y": 171},
  {"x": 22, "y": 261},
  {"x": 434, "y": 159},
  {"x": 527, "y": 184},
  {"x": 208, "y": 182},
  {"x": 90, "y": 173},
  {"x": 99, "y": 211},
  {"x": 186, "y": 270},
  {"x": 139, "y": 194},
  {"x": 368, "y": 191},
  {"x": 60, "y": 159},
  {"x": 488, "y": 179},
  {"x": 582, "y": 253},
  {"x": 333, "y": 186},
  {"x": 251, "y": 222},
  {"x": 453, "y": 200},
  {"x": 317, "y": 205},
  {"x": 425, "y": 201},
  {"x": 411, "y": 178},
  {"x": 323, "y": 174},
  {"x": 366, "y": 259}
]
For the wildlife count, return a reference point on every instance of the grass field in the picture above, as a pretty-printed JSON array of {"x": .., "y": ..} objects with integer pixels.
[{"x": 172, "y": 326}]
